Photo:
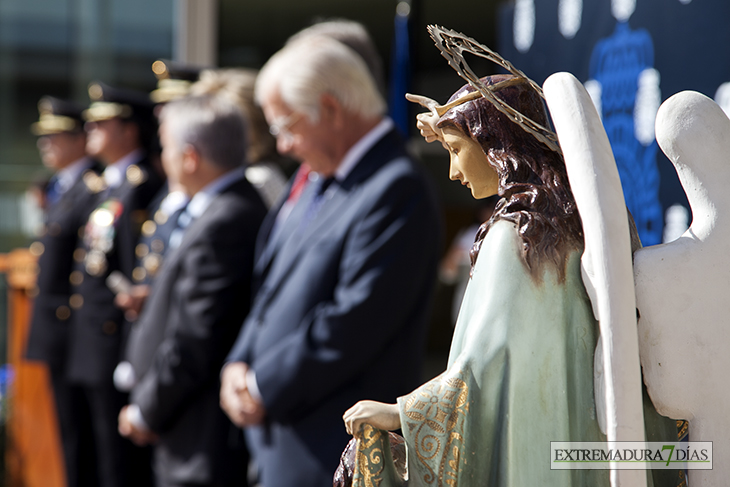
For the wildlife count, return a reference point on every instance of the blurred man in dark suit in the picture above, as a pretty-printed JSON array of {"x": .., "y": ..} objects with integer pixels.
[
  {"x": 120, "y": 128},
  {"x": 198, "y": 300},
  {"x": 173, "y": 81},
  {"x": 344, "y": 281},
  {"x": 62, "y": 145}
]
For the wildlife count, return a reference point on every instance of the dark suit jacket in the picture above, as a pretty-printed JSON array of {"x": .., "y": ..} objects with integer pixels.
[
  {"x": 341, "y": 312},
  {"x": 97, "y": 324},
  {"x": 48, "y": 338},
  {"x": 192, "y": 316},
  {"x": 152, "y": 247}
]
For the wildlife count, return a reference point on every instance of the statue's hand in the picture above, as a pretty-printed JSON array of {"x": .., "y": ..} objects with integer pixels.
[
  {"x": 377, "y": 414},
  {"x": 426, "y": 122}
]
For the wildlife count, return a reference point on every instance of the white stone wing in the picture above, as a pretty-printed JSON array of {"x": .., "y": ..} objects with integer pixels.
[{"x": 606, "y": 263}]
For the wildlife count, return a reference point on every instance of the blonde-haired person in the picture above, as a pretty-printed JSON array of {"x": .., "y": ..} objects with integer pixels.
[{"x": 263, "y": 168}]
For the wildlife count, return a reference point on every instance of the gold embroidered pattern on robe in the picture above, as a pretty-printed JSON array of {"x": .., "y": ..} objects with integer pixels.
[
  {"x": 436, "y": 413},
  {"x": 370, "y": 457}
]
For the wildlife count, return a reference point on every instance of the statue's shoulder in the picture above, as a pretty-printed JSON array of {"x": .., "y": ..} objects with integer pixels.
[
  {"x": 500, "y": 253},
  {"x": 501, "y": 237}
]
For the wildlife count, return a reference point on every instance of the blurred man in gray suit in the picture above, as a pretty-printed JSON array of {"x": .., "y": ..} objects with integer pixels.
[{"x": 197, "y": 302}]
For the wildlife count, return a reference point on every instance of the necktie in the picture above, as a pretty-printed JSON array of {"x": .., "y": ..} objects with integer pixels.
[
  {"x": 53, "y": 191},
  {"x": 300, "y": 182},
  {"x": 316, "y": 203},
  {"x": 183, "y": 221}
]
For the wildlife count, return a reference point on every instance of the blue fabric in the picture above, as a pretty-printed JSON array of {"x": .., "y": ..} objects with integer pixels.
[
  {"x": 183, "y": 221},
  {"x": 53, "y": 192},
  {"x": 616, "y": 62},
  {"x": 316, "y": 202},
  {"x": 400, "y": 75}
]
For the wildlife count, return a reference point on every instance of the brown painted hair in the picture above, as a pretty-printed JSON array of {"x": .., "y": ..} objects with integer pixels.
[{"x": 533, "y": 184}]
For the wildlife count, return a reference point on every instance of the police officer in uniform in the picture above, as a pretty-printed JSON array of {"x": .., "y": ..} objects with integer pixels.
[
  {"x": 120, "y": 127},
  {"x": 62, "y": 146},
  {"x": 174, "y": 80}
]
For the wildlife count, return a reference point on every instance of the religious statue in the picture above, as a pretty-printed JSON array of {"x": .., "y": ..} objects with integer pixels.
[
  {"x": 681, "y": 287},
  {"x": 520, "y": 372}
]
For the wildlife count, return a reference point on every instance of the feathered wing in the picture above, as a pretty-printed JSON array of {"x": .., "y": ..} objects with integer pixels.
[{"x": 606, "y": 263}]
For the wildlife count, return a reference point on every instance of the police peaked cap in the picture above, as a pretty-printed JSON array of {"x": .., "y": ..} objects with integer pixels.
[
  {"x": 58, "y": 116},
  {"x": 173, "y": 79},
  {"x": 109, "y": 102}
]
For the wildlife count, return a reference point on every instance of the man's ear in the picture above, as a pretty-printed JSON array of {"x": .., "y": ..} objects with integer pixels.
[
  {"x": 190, "y": 159},
  {"x": 331, "y": 110}
]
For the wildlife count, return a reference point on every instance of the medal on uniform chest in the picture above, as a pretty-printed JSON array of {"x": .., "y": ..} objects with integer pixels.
[{"x": 99, "y": 235}]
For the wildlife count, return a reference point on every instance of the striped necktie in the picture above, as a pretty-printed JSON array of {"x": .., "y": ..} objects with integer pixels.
[{"x": 183, "y": 221}]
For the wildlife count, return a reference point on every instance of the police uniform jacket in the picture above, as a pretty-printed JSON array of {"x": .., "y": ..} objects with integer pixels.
[
  {"x": 48, "y": 336},
  {"x": 110, "y": 237}
]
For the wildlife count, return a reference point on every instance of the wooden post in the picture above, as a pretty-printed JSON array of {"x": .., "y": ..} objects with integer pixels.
[{"x": 33, "y": 449}]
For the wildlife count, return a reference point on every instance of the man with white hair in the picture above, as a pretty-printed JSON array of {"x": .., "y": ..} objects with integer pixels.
[
  {"x": 355, "y": 36},
  {"x": 197, "y": 301},
  {"x": 343, "y": 283}
]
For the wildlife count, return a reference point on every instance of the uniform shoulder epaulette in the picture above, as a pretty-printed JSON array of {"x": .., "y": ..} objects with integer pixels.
[
  {"x": 136, "y": 175},
  {"x": 94, "y": 182}
]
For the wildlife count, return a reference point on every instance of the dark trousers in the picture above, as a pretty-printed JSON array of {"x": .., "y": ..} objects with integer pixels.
[
  {"x": 119, "y": 463},
  {"x": 104, "y": 404},
  {"x": 76, "y": 434},
  {"x": 228, "y": 467}
]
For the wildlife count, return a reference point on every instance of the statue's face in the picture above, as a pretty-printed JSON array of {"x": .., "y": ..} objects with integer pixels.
[{"x": 469, "y": 164}]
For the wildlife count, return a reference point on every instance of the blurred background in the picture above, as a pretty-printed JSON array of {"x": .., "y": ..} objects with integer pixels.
[
  {"x": 56, "y": 47},
  {"x": 631, "y": 54}
]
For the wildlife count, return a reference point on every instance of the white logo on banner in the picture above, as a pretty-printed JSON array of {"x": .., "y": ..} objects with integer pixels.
[
  {"x": 524, "y": 25},
  {"x": 570, "y": 13}
]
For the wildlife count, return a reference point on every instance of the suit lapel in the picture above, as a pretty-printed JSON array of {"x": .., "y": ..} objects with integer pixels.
[
  {"x": 374, "y": 159},
  {"x": 278, "y": 238},
  {"x": 197, "y": 226},
  {"x": 327, "y": 215},
  {"x": 264, "y": 237},
  {"x": 292, "y": 238}
]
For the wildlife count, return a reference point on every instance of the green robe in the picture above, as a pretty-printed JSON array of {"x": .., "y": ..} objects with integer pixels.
[{"x": 520, "y": 375}]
